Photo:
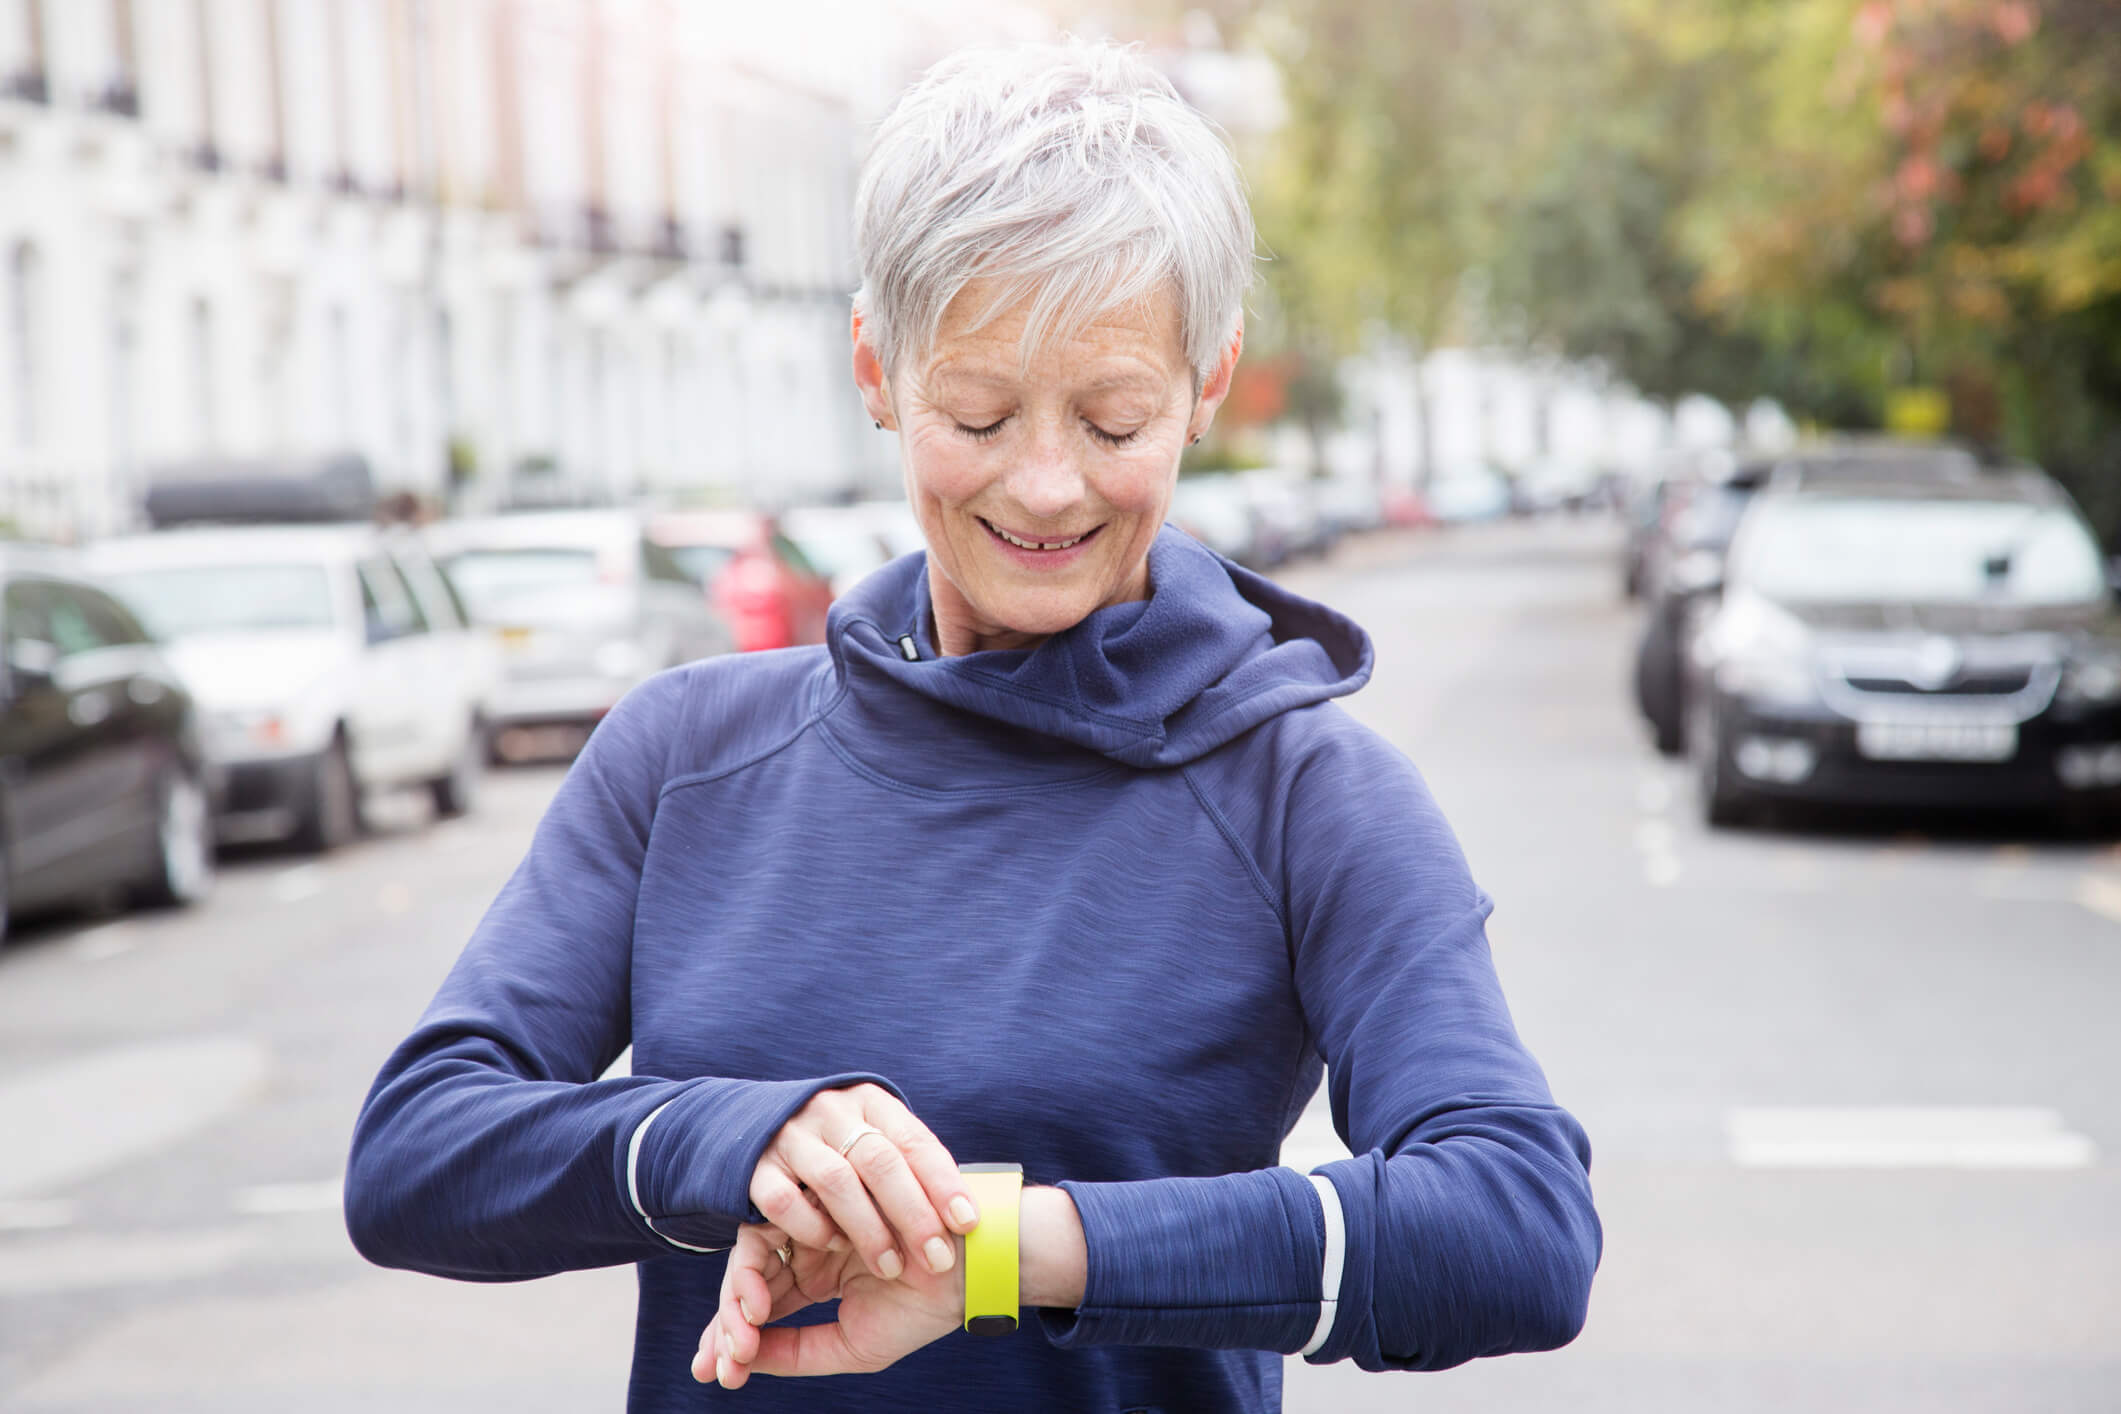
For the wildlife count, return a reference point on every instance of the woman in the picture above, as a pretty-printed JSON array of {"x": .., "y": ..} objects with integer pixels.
[{"x": 1056, "y": 855}]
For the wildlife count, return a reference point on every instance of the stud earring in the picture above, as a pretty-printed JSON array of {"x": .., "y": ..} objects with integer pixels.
[{"x": 879, "y": 426}]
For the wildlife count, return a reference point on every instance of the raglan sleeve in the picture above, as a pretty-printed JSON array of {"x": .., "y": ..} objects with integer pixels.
[
  {"x": 1463, "y": 1225},
  {"x": 489, "y": 1148}
]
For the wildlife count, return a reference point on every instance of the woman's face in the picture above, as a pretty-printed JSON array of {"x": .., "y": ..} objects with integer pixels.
[{"x": 1040, "y": 490}]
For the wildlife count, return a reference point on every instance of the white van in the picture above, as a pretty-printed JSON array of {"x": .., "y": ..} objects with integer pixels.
[{"x": 328, "y": 661}]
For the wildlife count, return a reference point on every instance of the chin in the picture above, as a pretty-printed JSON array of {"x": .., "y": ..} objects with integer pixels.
[{"x": 1044, "y": 614}]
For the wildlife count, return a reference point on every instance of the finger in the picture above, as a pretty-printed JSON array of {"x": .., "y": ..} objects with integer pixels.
[
  {"x": 808, "y": 1350},
  {"x": 898, "y": 1194},
  {"x": 933, "y": 1165},
  {"x": 846, "y": 1198},
  {"x": 776, "y": 1192}
]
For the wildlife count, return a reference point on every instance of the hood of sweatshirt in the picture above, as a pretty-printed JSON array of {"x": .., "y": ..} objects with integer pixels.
[{"x": 1211, "y": 653}]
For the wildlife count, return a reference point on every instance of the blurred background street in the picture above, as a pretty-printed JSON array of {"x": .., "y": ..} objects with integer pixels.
[
  {"x": 1720, "y": 1011},
  {"x": 1711, "y": 408}
]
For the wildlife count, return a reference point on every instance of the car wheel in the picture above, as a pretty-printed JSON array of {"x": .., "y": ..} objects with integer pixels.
[
  {"x": 1657, "y": 689},
  {"x": 184, "y": 845},
  {"x": 1723, "y": 803},
  {"x": 335, "y": 803},
  {"x": 457, "y": 791}
]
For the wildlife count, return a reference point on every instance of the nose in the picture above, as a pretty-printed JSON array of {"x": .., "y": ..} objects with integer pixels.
[{"x": 1048, "y": 480}]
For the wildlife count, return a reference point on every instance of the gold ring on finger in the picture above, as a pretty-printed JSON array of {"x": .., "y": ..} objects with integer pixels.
[{"x": 786, "y": 1252}]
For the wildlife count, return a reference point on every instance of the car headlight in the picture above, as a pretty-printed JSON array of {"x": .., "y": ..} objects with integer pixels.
[
  {"x": 1761, "y": 651},
  {"x": 2092, "y": 677},
  {"x": 236, "y": 733}
]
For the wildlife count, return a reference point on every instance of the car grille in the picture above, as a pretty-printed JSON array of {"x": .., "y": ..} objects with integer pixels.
[{"x": 1997, "y": 682}]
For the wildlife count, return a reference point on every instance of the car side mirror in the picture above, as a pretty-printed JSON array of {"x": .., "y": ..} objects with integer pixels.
[
  {"x": 1698, "y": 572},
  {"x": 31, "y": 666}
]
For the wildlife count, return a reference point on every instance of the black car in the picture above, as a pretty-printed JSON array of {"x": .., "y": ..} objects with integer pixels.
[
  {"x": 1909, "y": 644},
  {"x": 1683, "y": 559},
  {"x": 104, "y": 786}
]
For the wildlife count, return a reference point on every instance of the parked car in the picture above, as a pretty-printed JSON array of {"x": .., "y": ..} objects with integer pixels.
[
  {"x": 1216, "y": 511},
  {"x": 843, "y": 543},
  {"x": 1470, "y": 491},
  {"x": 1909, "y": 643},
  {"x": 330, "y": 661},
  {"x": 1291, "y": 523},
  {"x": 758, "y": 579},
  {"x": 1350, "y": 503},
  {"x": 896, "y": 522},
  {"x": 583, "y": 606},
  {"x": 1683, "y": 560},
  {"x": 104, "y": 778},
  {"x": 1557, "y": 484}
]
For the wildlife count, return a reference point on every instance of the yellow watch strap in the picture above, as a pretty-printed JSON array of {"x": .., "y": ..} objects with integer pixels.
[{"x": 991, "y": 1293}]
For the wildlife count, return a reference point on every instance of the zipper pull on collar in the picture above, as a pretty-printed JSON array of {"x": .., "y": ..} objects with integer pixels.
[{"x": 909, "y": 648}]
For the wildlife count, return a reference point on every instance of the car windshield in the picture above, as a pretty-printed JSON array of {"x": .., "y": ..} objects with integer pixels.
[
  {"x": 1710, "y": 517},
  {"x": 197, "y": 599},
  {"x": 701, "y": 563},
  {"x": 1886, "y": 550},
  {"x": 492, "y": 582}
]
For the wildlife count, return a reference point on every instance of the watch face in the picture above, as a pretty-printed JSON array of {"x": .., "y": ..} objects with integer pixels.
[{"x": 992, "y": 1325}]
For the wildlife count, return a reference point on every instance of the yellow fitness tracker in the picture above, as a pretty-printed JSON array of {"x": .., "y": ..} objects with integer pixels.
[{"x": 991, "y": 1297}]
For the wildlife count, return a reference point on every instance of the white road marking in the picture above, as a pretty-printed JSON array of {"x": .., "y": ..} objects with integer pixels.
[
  {"x": 268, "y": 1199},
  {"x": 1654, "y": 836},
  {"x": 35, "y": 1214},
  {"x": 1654, "y": 795},
  {"x": 296, "y": 884},
  {"x": 1661, "y": 870},
  {"x": 102, "y": 1109},
  {"x": 109, "y": 941},
  {"x": 2101, "y": 893},
  {"x": 1940, "y": 1137}
]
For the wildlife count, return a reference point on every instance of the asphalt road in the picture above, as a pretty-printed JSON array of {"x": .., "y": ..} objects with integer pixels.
[{"x": 1852, "y": 1086}]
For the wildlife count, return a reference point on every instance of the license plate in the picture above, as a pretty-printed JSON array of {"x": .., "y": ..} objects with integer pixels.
[{"x": 1937, "y": 741}]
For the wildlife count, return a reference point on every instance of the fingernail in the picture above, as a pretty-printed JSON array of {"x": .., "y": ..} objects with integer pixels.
[
  {"x": 940, "y": 1255},
  {"x": 961, "y": 1211},
  {"x": 728, "y": 1345},
  {"x": 889, "y": 1266},
  {"x": 721, "y": 1370},
  {"x": 836, "y": 1243},
  {"x": 745, "y": 1306}
]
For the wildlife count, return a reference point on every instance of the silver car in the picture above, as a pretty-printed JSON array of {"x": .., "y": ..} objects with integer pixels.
[{"x": 583, "y": 604}]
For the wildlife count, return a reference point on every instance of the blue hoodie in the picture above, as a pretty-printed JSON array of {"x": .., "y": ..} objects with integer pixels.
[{"x": 1102, "y": 908}]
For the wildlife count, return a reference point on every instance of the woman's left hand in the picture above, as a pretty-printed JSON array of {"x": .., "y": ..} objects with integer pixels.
[{"x": 879, "y": 1321}]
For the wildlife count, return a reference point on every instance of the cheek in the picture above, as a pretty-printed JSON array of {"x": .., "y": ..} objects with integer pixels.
[
  {"x": 1139, "y": 485},
  {"x": 944, "y": 467}
]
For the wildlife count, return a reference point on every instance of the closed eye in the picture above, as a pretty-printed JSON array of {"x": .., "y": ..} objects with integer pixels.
[
  {"x": 983, "y": 434},
  {"x": 1111, "y": 439}
]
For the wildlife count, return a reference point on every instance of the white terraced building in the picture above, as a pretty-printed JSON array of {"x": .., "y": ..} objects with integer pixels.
[{"x": 608, "y": 238}]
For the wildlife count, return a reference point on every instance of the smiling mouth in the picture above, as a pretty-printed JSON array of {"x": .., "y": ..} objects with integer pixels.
[{"x": 1000, "y": 534}]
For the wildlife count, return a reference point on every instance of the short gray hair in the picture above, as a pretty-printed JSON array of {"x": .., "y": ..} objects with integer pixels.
[{"x": 1072, "y": 175}]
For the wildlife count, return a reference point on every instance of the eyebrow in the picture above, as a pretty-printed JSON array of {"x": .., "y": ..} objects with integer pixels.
[{"x": 946, "y": 376}]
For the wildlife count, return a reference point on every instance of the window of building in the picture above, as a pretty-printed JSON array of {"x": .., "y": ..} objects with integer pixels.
[{"x": 24, "y": 323}]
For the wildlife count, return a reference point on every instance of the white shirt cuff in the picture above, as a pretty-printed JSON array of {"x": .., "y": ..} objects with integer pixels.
[
  {"x": 1336, "y": 1259},
  {"x": 633, "y": 1180}
]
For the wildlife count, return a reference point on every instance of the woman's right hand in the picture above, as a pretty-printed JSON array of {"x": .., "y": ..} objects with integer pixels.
[{"x": 895, "y": 1197}]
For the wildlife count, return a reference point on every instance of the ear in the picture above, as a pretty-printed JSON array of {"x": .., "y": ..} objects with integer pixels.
[
  {"x": 1217, "y": 387},
  {"x": 869, "y": 377}
]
